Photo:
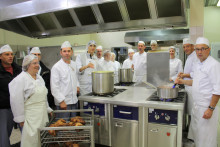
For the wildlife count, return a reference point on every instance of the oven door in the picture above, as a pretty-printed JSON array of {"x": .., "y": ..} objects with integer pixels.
[{"x": 162, "y": 135}]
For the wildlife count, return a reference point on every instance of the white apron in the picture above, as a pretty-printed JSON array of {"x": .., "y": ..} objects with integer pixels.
[
  {"x": 139, "y": 78},
  {"x": 204, "y": 131},
  {"x": 35, "y": 117},
  {"x": 190, "y": 99}
]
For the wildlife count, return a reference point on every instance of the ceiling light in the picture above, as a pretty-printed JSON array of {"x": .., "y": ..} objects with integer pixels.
[{"x": 218, "y": 5}]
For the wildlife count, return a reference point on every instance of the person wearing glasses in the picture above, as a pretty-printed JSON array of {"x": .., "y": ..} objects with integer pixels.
[
  {"x": 187, "y": 73},
  {"x": 206, "y": 94},
  {"x": 28, "y": 99}
]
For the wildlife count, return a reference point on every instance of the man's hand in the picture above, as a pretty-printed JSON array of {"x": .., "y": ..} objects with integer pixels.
[
  {"x": 63, "y": 105},
  {"x": 21, "y": 124},
  {"x": 181, "y": 75},
  {"x": 78, "y": 90},
  {"x": 179, "y": 81},
  {"x": 90, "y": 65},
  {"x": 208, "y": 114}
]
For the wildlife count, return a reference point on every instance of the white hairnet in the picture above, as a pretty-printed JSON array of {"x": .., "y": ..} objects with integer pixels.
[
  {"x": 141, "y": 42},
  {"x": 27, "y": 61},
  {"x": 187, "y": 41},
  {"x": 66, "y": 44},
  {"x": 173, "y": 47},
  {"x": 35, "y": 50},
  {"x": 112, "y": 53},
  {"x": 5, "y": 48},
  {"x": 99, "y": 47},
  {"x": 153, "y": 42},
  {"x": 106, "y": 52},
  {"x": 202, "y": 40},
  {"x": 90, "y": 43},
  {"x": 130, "y": 50}
]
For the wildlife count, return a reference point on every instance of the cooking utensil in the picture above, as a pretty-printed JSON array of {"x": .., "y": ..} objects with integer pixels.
[
  {"x": 125, "y": 75},
  {"x": 167, "y": 92},
  {"x": 102, "y": 82}
]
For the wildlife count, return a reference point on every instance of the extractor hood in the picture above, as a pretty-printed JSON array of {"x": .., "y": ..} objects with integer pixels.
[
  {"x": 165, "y": 37},
  {"x": 47, "y": 18}
]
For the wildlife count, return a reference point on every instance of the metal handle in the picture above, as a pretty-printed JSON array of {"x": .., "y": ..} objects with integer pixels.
[
  {"x": 124, "y": 112},
  {"x": 154, "y": 130},
  {"x": 119, "y": 125}
]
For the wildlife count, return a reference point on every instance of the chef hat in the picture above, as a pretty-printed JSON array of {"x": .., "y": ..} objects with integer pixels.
[
  {"x": 153, "y": 42},
  {"x": 187, "y": 41},
  {"x": 91, "y": 42},
  {"x": 173, "y": 47},
  {"x": 5, "y": 48},
  {"x": 202, "y": 40},
  {"x": 99, "y": 47},
  {"x": 27, "y": 61},
  {"x": 130, "y": 50},
  {"x": 106, "y": 51},
  {"x": 66, "y": 44},
  {"x": 35, "y": 50},
  {"x": 141, "y": 42}
]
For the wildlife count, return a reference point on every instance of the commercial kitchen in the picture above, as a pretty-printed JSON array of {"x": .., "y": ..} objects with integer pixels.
[{"x": 125, "y": 113}]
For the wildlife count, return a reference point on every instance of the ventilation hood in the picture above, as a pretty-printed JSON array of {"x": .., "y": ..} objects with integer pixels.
[
  {"x": 47, "y": 18},
  {"x": 165, "y": 37}
]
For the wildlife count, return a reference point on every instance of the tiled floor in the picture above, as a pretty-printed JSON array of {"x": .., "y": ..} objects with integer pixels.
[{"x": 15, "y": 136}]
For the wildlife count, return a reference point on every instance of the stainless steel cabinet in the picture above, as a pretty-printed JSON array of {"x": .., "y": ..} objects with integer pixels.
[
  {"x": 162, "y": 135},
  {"x": 125, "y": 133}
]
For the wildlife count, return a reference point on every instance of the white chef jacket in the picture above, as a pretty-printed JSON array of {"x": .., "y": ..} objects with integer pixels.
[
  {"x": 140, "y": 66},
  {"x": 190, "y": 61},
  {"x": 64, "y": 82},
  {"x": 176, "y": 67},
  {"x": 117, "y": 65},
  {"x": 209, "y": 82},
  {"x": 100, "y": 59},
  {"x": 206, "y": 82},
  {"x": 85, "y": 77},
  {"x": 127, "y": 63},
  {"x": 106, "y": 66},
  {"x": 21, "y": 88}
]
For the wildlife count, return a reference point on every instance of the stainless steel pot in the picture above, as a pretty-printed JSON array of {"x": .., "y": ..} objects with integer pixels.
[
  {"x": 102, "y": 82},
  {"x": 125, "y": 75},
  {"x": 167, "y": 92}
]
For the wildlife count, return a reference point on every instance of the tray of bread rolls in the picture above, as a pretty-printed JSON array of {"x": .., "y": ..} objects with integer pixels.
[{"x": 75, "y": 131}]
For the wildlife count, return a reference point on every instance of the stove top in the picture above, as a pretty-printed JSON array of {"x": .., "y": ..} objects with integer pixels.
[
  {"x": 114, "y": 93},
  {"x": 124, "y": 84},
  {"x": 180, "y": 99}
]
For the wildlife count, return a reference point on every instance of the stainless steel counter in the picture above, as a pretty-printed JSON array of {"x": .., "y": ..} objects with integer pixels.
[{"x": 132, "y": 96}]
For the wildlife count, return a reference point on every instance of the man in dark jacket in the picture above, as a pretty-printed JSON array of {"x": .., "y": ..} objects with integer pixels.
[
  {"x": 45, "y": 73},
  {"x": 8, "y": 71}
]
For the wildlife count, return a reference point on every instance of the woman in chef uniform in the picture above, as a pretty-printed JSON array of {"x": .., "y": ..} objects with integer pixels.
[
  {"x": 86, "y": 64},
  {"x": 117, "y": 65},
  {"x": 176, "y": 65},
  {"x": 28, "y": 98}
]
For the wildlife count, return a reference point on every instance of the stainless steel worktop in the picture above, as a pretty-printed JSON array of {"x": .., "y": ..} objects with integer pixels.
[{"x": 133, "y": 96}]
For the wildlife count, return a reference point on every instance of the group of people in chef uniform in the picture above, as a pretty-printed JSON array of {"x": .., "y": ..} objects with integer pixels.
[{"x": 25, "y": 91}]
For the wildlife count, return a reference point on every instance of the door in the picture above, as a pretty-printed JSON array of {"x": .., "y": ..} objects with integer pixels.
[
  {"x": 162, "y": 135},
  {"x": 125, "y": 133}
]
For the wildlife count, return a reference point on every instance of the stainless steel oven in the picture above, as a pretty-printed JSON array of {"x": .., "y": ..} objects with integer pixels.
[
  {"x": 101, "y": 122},
  {"x": 125, "y": 126}
]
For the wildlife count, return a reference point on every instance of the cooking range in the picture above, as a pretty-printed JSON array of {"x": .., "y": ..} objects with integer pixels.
[
  {"x": 114, "y": 93},
  {"x": 165, "y": 120},
  {"x": 124, "y": 84}
]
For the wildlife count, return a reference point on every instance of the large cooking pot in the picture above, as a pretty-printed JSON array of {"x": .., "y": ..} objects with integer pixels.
[
  {"x": 167, "y": 92},
  {"x": 102, "y": 82},
  {"x": 125, "y": 75}
]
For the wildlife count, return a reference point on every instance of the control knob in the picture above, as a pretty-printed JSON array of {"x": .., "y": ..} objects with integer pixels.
[
  {"x": 157, "y": 116},
  {"x": 167, "y": 117}
]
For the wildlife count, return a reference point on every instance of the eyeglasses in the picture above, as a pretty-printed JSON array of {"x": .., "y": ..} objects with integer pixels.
[{"x": 202, "y": 49}]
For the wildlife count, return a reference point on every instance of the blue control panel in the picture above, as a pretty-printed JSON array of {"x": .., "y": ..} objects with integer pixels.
[
  {"x": 125, "y": 112},
  {"x": 162, "y": 116},
  {"x": 99, "y": 109}
]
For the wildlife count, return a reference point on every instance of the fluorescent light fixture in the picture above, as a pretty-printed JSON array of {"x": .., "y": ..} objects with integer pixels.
[{"x": 218, "y": 5}]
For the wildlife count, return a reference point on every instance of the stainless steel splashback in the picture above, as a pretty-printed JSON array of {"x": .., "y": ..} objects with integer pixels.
[{"x": 158, "y": 68}]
